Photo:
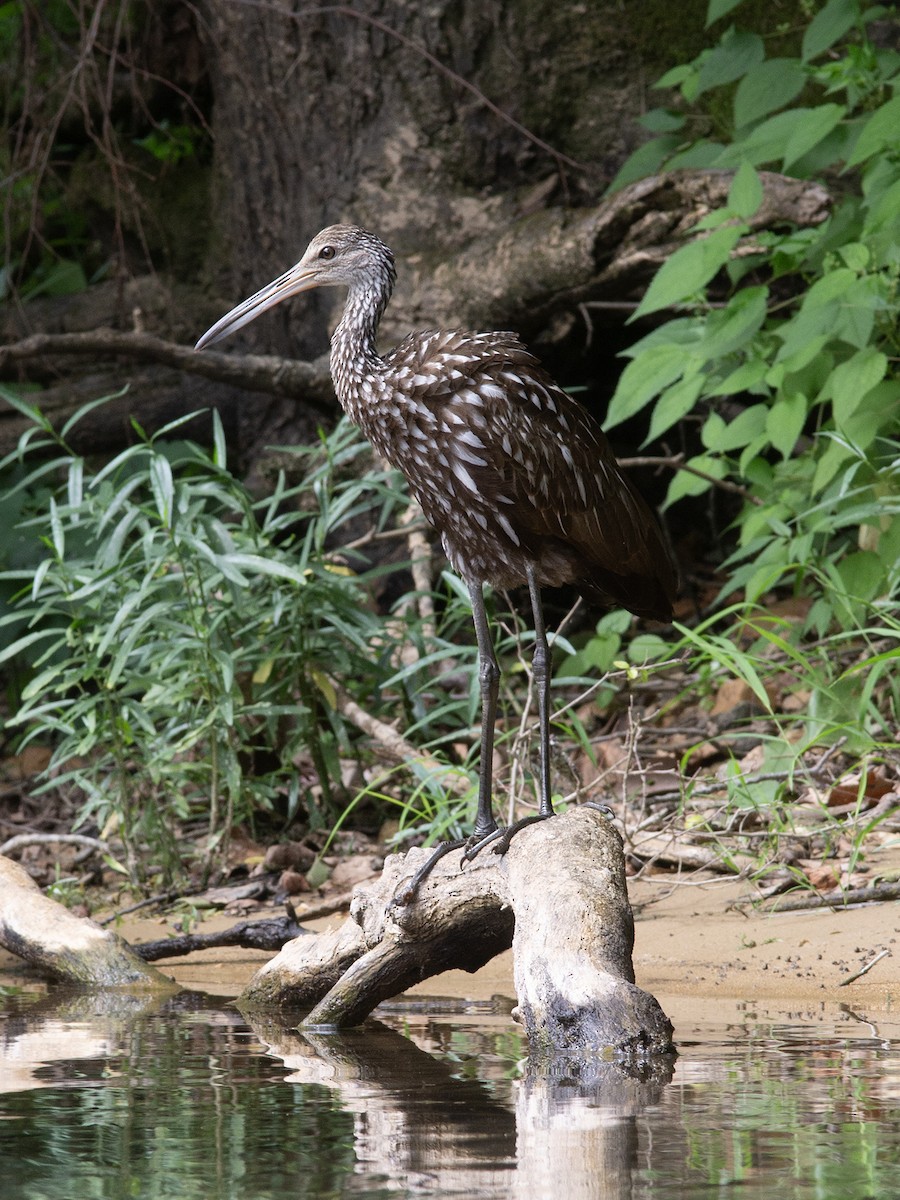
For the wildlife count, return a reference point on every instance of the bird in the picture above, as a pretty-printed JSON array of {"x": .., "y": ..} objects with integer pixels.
[{"x": 517, "y": 478}]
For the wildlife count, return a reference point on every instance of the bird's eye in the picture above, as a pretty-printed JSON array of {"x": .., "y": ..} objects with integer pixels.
[{"x": 326, "y": 252}]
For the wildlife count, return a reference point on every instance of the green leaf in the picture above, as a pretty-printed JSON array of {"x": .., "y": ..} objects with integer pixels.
[
  {"x": 644, "y": 377},
  {"x": 163, "y": 487},
  {"x": 784, "y": 137},
  {"x": 646, "y": 160},
  {"x": 850, "y": 381},
  {"x": 661, "y": 120},
  {"x": 23, "y": 643},
  {"x": 745, "y": 378},
  {"x": 829, "y": 24},
  {"x": 768, "y": 86},
  {"x": 718, "y": 9},
  {"x": 674, "y": 403},
  {"x": 687, "y": 483},
  {"x": 785, "y": 421},
  {"x": 735, "y": 54},
  {"x": 689, "y": 269},
  {"x": 220, "y": 448},
  {"x": 731, "y": 328},
  {"x": 267, "y": 566},
  {"x": 721, "y": 437},
  {"x": 880, "y": 133},
  {"x": 746, "y": 192},
  {"x": 816, "y": 126}
]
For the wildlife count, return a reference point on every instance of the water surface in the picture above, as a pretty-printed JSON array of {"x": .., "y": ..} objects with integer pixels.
[{"x": 114, "y": 1097}]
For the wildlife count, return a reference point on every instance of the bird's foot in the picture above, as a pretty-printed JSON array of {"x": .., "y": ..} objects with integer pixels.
[
  {"x": 603, "y": 808},
  {"x": 503, "y": 837},
  {"x": 408, "y": 892}
]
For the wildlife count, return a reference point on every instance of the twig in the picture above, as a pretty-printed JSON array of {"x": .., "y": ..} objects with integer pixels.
[
  {"x": 161, "y": 898},
  {"x": 862, "y": 971},
  {"x": 677, "y": 463},
  {"x": 839, "y": 899},
  {"x": 38, "y": 839},
  {"x": 421, "y": 566},
  {"x": 394, "y": 745}
]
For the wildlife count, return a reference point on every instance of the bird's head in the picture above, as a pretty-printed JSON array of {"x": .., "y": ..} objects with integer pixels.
[{"x": 339, "y": 255}]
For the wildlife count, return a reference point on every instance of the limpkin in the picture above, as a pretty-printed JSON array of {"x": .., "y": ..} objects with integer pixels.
[{"x": 518, "y": 480}]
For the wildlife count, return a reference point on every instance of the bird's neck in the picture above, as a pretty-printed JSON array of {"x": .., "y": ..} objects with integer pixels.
[{"x": 355, "y": 362}]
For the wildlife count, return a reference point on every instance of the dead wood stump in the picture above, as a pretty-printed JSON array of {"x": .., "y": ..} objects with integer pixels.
[{"x": 558, "y": 898}]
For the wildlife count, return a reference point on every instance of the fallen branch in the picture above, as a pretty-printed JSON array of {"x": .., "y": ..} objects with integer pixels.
[
  {"x": 837, "y": 898},
  {"x": 68, "y": 948},
  {"x": 255, "y": 372},
  {"x": 39, "y": 839},
  {"x": 252, "y": 935}
]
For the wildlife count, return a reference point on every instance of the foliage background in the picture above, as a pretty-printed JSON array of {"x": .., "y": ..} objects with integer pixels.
[{"x": 194, "y": 648}]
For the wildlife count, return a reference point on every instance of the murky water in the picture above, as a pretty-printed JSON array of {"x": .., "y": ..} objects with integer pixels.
[{"x": 108, "y": 1097}]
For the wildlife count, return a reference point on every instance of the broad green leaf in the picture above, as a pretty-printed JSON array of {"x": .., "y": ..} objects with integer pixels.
[
  {"x": 746, "y": 193},
  {"x": 661, "y": 120},
  {"x": 689, "y": 269},
  {"x": 721, "y": 437},
  {"x": 850, "y": 381},
  {"x": 784, "y": 422},
  {"x": 675, "y": 76},
  {"x": 735, "y": 54},
  {"x": 883, "y": 210},
  {"x": 798, "y": 360},
  {"x": 766, "y": 87},
  {"x": 646, "y": 160},
  {"x": 718, "y": 9},
  {"x": 674, "y": 403},
  {"x": 744, "y": 378},
  {"x": 828, "y": 464},
  {"x": 880, "y": 134},
  {"x": 783, "y": 138},
  {"x": 829, "y": 24},
  {"x": 644, "y": 377},
  {"x": 817, "y": 124},
  {"x": 694, "y": 482},
  {"x": 731, "y": 328}
]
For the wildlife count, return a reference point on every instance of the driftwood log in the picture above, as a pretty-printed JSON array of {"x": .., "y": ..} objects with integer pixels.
[
  {"x": 558, "y": 897},
  {"x": 69, "y": 949}
]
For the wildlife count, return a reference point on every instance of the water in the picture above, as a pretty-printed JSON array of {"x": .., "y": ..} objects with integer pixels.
[{"x": 113, "y": 1097}]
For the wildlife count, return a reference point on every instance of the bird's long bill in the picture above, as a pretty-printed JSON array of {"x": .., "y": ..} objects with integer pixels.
[{"x": 299, "y": 278}]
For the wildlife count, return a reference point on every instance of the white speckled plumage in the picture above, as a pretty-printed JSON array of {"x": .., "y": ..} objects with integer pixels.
[{"x": 519, "y": 481}]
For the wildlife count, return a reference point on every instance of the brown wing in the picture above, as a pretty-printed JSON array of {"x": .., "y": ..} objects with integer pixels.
[{"x": 529, "y": 474}]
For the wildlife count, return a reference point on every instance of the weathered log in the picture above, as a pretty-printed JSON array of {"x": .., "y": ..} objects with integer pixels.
[
  {"x": 70, "y": 949},
  {"x": 558, "y": 897}
]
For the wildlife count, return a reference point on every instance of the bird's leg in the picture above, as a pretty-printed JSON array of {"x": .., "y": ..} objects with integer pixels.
[
  {"x": 489, "y": 679},
  {"x": 540, "y": 674}
]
